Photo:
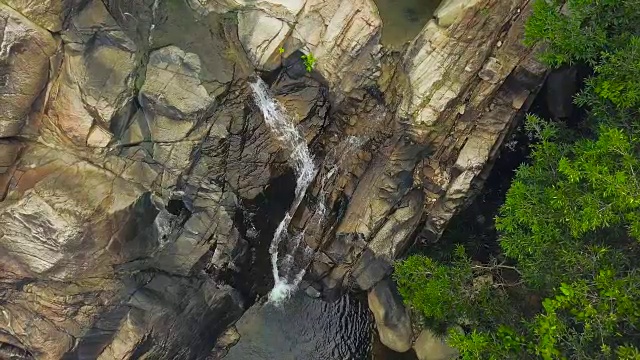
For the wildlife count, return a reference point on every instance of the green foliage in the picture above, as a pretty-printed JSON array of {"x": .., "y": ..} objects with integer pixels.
[
  {"x": 433, "y": 289},
  {"x": 309, "y": 61},
  {"x": 575, "y": 208},
  {"x": 571, "y": 219},
  {"x": 472, "y": 346},
  {"x": 603, "y": 34},
  {"x": 584, "y": 320},
  {"x": 458, "y": 291},
  {"x": 617, "y": 76},
  {"x": 505, "y": 343},
  {"x": 583, "y": 30},
  {"x": 589, "y": 319},
  {"x": 560, "y": 204}
]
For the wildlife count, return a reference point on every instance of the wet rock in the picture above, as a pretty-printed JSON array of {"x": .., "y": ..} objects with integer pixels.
[
  {"x": 239, "y": 149},
  {"x": 24, "y": 65},
  {"x": 306, "y": 101},
  {"x": 312, "y": 292},
  {"x": 392, "y": 319},
  {"x": 429, "y": 346},
  {"x": 561, "y": 86}
]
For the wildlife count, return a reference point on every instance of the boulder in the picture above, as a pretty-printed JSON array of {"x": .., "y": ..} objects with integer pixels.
[
  {"x": 392, "y": 319},
  {"x": 429, "y": 346},
  {"x": 560, "y": 88},
  {"x": 48, "y": 14},
  {"x": 173, "y": 88},
  {"x": 95, "y": 83},
  {"x": 229, "y": 338},
  {"x": 24, "y": 65}
]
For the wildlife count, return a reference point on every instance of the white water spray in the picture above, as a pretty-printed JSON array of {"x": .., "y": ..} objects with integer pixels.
[
  {"x": 280, "y": 125},
  {"x": 286, "y": 276}
]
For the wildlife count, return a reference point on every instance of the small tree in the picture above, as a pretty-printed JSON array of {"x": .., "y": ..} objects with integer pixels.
[
  {"x": 459, "y": 292},
  {"x": 309, "y": 61}
]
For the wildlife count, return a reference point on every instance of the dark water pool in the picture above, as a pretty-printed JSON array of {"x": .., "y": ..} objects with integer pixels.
[
  {"x": 402, "y": 20},
  {"x": 305, "y": 329}
]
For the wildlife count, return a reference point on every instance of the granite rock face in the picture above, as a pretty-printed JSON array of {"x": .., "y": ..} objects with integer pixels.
[{"x": 140, "y": 186}]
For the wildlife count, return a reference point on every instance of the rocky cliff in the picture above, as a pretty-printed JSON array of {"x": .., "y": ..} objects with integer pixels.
[{"x": 140, "y": 186}]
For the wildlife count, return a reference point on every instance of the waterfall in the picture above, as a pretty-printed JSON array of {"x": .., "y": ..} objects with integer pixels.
[
  {"x": 286, "y": 276},
  {"x": 281, "y": 126}
]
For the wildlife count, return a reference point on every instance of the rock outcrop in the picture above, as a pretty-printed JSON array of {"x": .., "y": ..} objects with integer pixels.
[
  {"x": 456, "y": 92},
  {"x": 392, "y": 319},
  {"x": 140, "y": 186},
  {"x": 429, "y": 346}
]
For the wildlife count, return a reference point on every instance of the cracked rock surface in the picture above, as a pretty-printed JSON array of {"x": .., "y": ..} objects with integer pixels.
[{"x": 140, "y": 186}]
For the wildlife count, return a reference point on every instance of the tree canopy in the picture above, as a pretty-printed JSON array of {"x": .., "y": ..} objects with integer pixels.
[{"x": 570, "y": 225}]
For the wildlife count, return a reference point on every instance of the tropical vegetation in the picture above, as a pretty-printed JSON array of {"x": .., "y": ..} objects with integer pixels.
[{"x": 566, "y": 281}]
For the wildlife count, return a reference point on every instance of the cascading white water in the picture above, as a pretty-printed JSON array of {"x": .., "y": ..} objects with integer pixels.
[
  {"x": 281, "y": 126},
  {"x": 315, "y": 223},
  {"x": 286, "y": 277},
  {"x": 279, "y": 123}
]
